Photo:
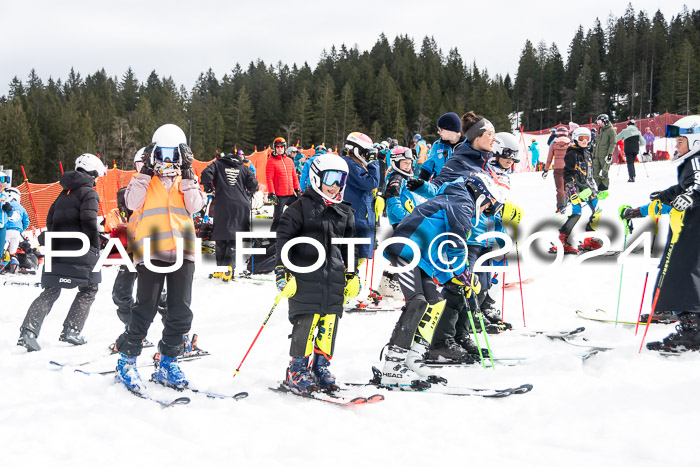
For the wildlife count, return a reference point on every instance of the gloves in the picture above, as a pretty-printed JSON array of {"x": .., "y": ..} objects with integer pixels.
[
  {"x": 378, "y": 207},
  {"x": 655, "y": 195},
  {"x": 7, "y": 207},
  {"x": 297, "y": 193},
  {"x": 147, "y": 167},
  {"x": 571, "y": 191},
  {"x": 371, "y": 155},
  {"x": 682, "y": 202},
  {"x": 272, "y": 198},
  {"x": 544, "y": 174},
  {"x": 414, "y": 183},
  {"x": 608, "y": 159},
  {"x": 186, "y": 164},
  {"x": 469, "y": 281},
  {"x": 286, "y": 283},
  {"x": 352, "y": 285}
]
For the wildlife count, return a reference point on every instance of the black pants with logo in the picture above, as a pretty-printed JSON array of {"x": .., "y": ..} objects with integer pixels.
[{"x": 77, "y": 314}]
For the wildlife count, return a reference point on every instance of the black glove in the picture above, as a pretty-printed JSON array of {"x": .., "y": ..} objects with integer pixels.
[
  {"x": 608, "y": 159},
  {"x": 655, "y": 195},
  {"x": 682, "y": 202},
  {"x": 297, "y": 193},
  {"x": 414, "y": 183},
  {"x": 7, "y": 207},
  {"x": 186, "y": 164},
  {"x": 147, "y": 168},
  {"x": 272, "y": 198},
  {"x": 544, "y": 174},
  {"x": 371, "y": 155}
]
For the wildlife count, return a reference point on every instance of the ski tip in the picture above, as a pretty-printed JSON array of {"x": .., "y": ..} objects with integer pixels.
[
  {"x": 356, "y": 401},
  {"x": 240, "y": 395},
  {"x": 375, "y": 398},
  {"x": 181, "y": 401}
]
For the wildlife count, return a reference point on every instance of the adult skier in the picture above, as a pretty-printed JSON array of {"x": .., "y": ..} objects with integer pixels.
[
  {"x": 633, "y": 141},
  {"x": 557, "y": 152},
  {"x": 316, "y": 298},
  {"x": 163, "y": 198},
  {"x": 449, "y": 128},
  {"x": 454, "y": 210},
  {"x": 580, "y": 187},
  {"x": 75, "y": 210},
  {"x": 680, "y": 290},
  {"x": 231, "y": 181},
  {"x": 282, "y": 180},
  {"x": 603, "y": 152}
]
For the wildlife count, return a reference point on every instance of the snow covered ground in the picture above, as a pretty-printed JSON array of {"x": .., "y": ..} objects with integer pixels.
[{"x": 616, "y": 408}]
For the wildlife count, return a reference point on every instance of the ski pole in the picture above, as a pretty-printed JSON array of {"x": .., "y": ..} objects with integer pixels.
[
  {"x": 654, "y": 215},
  {"x": 503, "y": 292},
  {"x": 676, "y": 227},
  {"x": 622, "y": 266},
  {"x": 277, "y": 300}
]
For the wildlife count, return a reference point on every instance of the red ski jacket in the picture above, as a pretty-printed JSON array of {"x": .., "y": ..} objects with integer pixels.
[{"x": 281, "y": 176}]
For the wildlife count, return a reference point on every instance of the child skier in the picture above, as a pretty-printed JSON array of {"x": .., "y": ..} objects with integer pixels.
[
  {"x": 578, "y": 177},
  {"x": 316, "y": 298},
  {"x": 451, "y": 211},
  {"x": 680, "y": 290}
]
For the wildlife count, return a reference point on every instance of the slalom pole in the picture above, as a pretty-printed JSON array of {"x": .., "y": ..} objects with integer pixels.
[
  {"x": 655, "y": 215},
  {"x": 277, "y": 300},
  {"x": 622, "y": 266},
  {"x": 31, "y": 198},
  {"x": 60, "y": 166},
  {"x": 503, "y": 291},
  {"x": 676, "y": 227},
  {"x": 520, "y": 281}
]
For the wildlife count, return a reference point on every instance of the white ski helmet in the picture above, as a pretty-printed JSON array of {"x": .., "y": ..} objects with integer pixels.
[
  {"x": 485, "y": 190},
  {"x": 689, "y": 128},
  {"x": 165, "y": 156},
  {"x": 91, "y": 164},
  {"x": 398, "y": 154},
  {"x": 581, "y": 132},
  {"x": 329, "y": 169},
  {"x": 138, "y": 159},
  {"x": 358, "y": 144},
  {"x": 13, "y": 194},
  {"x": 506, "y": 146}
]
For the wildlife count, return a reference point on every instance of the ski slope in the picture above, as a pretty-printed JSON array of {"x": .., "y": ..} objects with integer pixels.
[{"x": 616, "y": 408}]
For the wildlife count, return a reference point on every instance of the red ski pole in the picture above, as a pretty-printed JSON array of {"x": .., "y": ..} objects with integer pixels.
[
  {"x": 653, "y": 206},
  {"x": 503, "y": 291},
  {"x": 277, "y": 300}
]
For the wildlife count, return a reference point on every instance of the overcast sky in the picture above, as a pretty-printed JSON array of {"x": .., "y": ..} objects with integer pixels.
[{"x": 184, "y": 38}]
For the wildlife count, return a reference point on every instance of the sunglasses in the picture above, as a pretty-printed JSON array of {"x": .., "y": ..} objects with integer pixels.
[
  {"x": 334, "y": 177},
  {"x": 672, "y": 131},
  {"x": 170, "y": 155}
]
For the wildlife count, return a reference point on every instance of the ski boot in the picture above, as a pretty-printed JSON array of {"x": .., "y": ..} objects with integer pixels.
[
  {"x": 492, "y": 314},
  {"x": 14, "y": 264},
  {"x": 216, "y": 275},
  {"x": 168, "y": 373},
  {"x": 226, "y": 276},
  {"x": 686, "y": 337},
  {"x": 449, "y": 352},
  {"x": 127, "y": 374},
  {"x": 27, "y": 339},
  {"x": 568, "y": 249},
  {"x": 415, "y": 360},
  {"x": 72, "y": 336},
  {"x": 630, "y": 213},
  {"x": 396, "y": 372},
  {"x": 470, "y": 347},
  {"x": 663, "y": 317},
  {"x": 322, "y": 375},
  {"x": 590, "y": 244},
  {"x": 299, "y": 377},
  {"x": 389, "y": 288}
]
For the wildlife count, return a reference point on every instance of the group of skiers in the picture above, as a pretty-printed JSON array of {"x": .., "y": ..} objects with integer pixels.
[{"x": 462, "y": 189}]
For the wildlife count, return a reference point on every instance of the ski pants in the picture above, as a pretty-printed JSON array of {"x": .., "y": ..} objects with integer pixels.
[
  {"x": 176, "y": 322},
  {"x": 226, "y": 253},
  {"x": 305, "y": 327},
  {"x": 562, "y": 199},
  {"x": 420, "y": 291},
  {"x": 630, "y": 165},
  {"x": 77, "y": 314},
  {"x": 123, "y": 293},
  {"x": 600, "y": 172},
  {"x": 282, "y": 202},
  {"x": 573, "y": 219},
  {"x": 13, "y": 237}
]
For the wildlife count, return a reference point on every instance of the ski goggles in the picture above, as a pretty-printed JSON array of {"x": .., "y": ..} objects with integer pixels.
[
  {"x": 334, "y": 177},
  {"x": 583, "y": 138},
  {"x": 170, "y": 155},
  {"x": 508, "y": 153},
  {"x": 673, "y": 131},
  {"x": 4, "y": 178}
]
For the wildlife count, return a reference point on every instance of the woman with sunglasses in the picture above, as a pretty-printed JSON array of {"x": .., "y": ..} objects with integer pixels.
[
  {"x": 578, "y": 179},
  {"x": 680, "y": 290},
  {"x": 163, "y": 198},
  {"x": 316, "y": 298}
]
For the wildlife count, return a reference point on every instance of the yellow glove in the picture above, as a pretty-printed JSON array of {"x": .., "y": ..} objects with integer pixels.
[
  {"x": 352, "y": 285},
  {"x": 512, "y": 213},
  {"x": 290, "y": 289},
  {"x": 378, "y": 207},
  {"x": 469, "y": 282}
]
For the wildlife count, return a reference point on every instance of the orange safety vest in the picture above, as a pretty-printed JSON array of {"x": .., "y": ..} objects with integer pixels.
[
  {"x": 162, "y": 218},
  {"x": 422, "y": 151}
]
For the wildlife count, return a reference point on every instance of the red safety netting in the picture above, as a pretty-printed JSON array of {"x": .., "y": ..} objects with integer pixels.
[{"x": 657, "y": 125}]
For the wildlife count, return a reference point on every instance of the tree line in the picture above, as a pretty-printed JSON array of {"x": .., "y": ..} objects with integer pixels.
[{"x": 633, "y": 67}]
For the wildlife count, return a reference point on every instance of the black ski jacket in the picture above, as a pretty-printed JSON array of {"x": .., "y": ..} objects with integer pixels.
[
  {"x": 75, "y": 210},
  {"x": 233, "y": 183},
  {"x": 681, "y": 286},
  {"x": 320, "y": 291},
  {"x": 578, "y": 169}
]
